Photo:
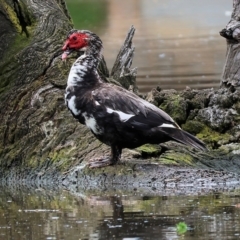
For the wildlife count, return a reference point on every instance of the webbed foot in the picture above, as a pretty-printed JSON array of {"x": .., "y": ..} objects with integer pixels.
[
  {"x": 106, "y": 161},
  {"x": 100, "y": 162}
]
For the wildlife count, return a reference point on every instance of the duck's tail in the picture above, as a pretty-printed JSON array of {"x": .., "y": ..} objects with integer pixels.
[{"x": 184, "y": 137}]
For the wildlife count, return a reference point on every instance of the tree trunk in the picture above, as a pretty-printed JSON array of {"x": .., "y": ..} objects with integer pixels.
[
  {"x": 32, "y": 107},
  {"x": 231, "y": 73},
  {"x": 41, "y": 141}
]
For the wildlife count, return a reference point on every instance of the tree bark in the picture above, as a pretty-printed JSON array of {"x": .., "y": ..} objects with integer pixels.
[
  {"x": 40, "y": 139},
  {"x": 231, "y": 73},
  {"x": 32, "y": 33}
]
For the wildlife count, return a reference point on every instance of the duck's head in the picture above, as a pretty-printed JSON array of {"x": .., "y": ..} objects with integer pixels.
[{"x": 82, "y": 41}]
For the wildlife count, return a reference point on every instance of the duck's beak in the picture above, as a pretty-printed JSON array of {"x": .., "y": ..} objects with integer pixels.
[
  {"x": 66, "y": 53},
  {"x": 66, "y": 50}
]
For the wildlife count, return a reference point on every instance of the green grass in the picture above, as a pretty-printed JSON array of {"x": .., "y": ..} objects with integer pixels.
[{"x": 88, "y": 14}]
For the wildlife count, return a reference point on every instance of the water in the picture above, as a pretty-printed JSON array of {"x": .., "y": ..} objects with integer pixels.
[
  {"x": 177, "y": 41},
  {"x": 47, "y": 214}
]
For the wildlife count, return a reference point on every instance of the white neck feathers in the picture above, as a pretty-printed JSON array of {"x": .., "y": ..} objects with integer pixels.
[{"x": 81, "y": 67}]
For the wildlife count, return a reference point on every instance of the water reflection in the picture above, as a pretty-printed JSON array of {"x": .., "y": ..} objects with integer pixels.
[
  {"x": 177, "y": 41},
  {"x": 57, "y": 214}
]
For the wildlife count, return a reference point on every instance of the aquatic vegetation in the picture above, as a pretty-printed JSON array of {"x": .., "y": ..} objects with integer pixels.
[{"x": 181, "y": 227}]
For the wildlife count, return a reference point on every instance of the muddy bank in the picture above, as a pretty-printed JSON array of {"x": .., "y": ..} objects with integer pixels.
[{"x": 136, "y": 177}]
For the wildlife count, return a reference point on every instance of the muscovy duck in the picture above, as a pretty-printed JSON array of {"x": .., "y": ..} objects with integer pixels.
[{"x": 115, "y": 116}]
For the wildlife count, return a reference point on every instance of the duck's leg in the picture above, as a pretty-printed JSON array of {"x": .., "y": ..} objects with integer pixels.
[{"x": 116, "y": 152}]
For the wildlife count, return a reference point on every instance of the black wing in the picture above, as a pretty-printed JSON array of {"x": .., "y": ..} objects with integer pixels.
[
  {"x": 144, "y": 114},
  {"x": 149, "y": 123}
]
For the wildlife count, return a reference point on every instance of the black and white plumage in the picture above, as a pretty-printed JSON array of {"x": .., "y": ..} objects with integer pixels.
[{"x": 116, "y": 117}]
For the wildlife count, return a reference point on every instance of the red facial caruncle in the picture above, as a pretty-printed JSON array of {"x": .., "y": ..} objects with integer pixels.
[{"x": 74, "y": 42}]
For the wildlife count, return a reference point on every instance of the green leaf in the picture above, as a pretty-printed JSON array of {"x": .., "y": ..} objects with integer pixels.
[{"x": 181, "y": 227}]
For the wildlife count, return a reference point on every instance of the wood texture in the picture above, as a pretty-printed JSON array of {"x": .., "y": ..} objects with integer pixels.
[{"x": 231, "y": 72}]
